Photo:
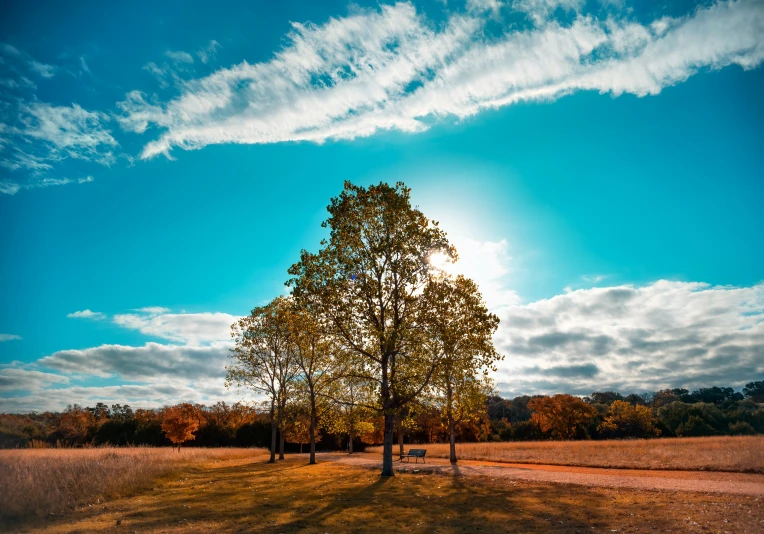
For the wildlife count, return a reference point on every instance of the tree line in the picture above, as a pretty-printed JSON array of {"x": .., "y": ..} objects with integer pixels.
[{"x": 711, "y": 411}]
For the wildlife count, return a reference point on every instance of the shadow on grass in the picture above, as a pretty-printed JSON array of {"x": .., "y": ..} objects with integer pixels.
[{"x": 292, "y": 496}]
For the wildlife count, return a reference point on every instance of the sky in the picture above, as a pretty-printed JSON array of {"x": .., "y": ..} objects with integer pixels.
[{"x": 597, "y": 163}]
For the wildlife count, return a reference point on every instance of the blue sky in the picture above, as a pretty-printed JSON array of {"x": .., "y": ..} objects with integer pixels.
[{"x": 597, "y": 164}]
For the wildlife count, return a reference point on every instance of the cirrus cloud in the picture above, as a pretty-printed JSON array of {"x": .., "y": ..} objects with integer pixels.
[{"x": 392, "y": 69}]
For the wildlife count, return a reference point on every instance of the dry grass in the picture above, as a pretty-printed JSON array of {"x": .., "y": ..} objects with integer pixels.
[
  {"x": 52, "y": 481},
  {"x": 743, "y": 454},
  {"x": 290, "y": 496}
]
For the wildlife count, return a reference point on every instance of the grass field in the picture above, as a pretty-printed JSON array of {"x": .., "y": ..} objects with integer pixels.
[
  {"x": 53, "y": 481},
  {"x": 246, "y": 495},
  {"x": 743, "y": 454}
]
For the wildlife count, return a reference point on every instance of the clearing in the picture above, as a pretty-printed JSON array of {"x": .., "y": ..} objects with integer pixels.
[{"x": 343, "y": 494}]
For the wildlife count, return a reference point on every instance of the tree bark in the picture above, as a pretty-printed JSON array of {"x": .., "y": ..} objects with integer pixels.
[
  {"x": 350, "y": 443},
  {"x": 273, "y": 434},
  {"x": 451, "y": 426},
  {"x": 313, "y": 421},
  {"x": 400, "y": 431},
  {"x": 281, "y": 446},
  {"x": 387, "y": 446}
]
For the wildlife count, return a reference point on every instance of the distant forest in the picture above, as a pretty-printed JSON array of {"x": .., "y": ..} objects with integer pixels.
[{"x": 708, "y": 411}]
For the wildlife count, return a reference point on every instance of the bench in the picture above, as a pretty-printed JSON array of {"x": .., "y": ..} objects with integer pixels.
[{"x": 414, "y": 453}]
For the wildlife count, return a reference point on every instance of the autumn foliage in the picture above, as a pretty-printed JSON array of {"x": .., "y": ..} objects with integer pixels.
[
  {"x": 562, "y": 414},
  {"x": 179, "y": 423}
]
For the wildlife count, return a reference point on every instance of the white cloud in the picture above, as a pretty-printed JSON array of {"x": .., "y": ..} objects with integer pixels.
[
  {"x": 207, "y": 53},
  {"x": 189, "y": 328},
  {"x": 391, "y": 70},
  {"x": 152, "y": 361},
  {"x": 633, "y": 338},
  {"x": 44, "y": 70},
  {"x": 153, "y": 309},
  {"x": 44, "y": 134},
  {"x": 12, "y": 379},
  {"x": 86, "y": 314},
  {"x": 9, "y": 337},
  {"x": 484, "y": 5},
  {"x": 179, "y": 56},
  {"x": 540, "y": 10}
]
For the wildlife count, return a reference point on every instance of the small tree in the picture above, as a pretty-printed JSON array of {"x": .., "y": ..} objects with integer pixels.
[
  {"x": 263, "y": 360},
  {"x": 179, "y": 424},
  {"x": 459, "y": 331},
  {"x": 560, "y": 414},
  {"x": 319, "y": 362}
]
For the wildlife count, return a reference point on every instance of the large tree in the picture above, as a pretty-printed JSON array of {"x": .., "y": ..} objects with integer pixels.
[
  {"x": 263, "y": 360},
  {"x": 367, "y": 281},
  {"x": 459, "y": 333}
]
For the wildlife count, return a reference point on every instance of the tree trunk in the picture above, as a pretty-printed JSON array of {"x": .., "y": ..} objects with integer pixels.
[
  {"x": 387, "y": 446},
  {"x": 273, "y": 434},
  {"x": 451, "y": 426},
  {"x": 313, "y": 421},
  {"x": 350, "y": 443},
  {"x": 387, "y": 407},
  {"x": 300, "y": 448},
  {"x": 400, "y": 431},
  {"x": 452, "y": 436},
  {"x": 281, "y": 446}
]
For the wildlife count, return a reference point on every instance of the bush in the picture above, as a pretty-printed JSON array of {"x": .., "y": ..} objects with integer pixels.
[{"x": 741, "y": 428}]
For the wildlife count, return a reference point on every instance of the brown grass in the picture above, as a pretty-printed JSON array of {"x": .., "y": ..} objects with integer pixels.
[
  {"x": 743, "y": 454},
  {"x": 52, "y": 481},
  {"x": 290, "y": 496}
]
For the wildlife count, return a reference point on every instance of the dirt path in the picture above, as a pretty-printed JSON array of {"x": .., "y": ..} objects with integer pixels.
[{"x": 698, "y": 481}]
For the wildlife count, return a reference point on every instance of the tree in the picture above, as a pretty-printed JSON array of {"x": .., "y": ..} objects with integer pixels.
[
  {"x": 628, "y": 420},
  {"x": 299, "y": 429},
  {"x": 353, "y": 408},
  {"x": 560, "y": 414},
  {"x": 263, "y": 361},
  {"x": 458, "y": 334},
  {"x": 367, "y": 282},
  {"x": 179, "y": 423},
  {"x": 318, "y": 361},
  {"x": 754, "y": 391}
]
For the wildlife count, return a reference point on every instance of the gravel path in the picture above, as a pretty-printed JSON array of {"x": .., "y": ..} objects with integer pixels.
[{"x": 701, "y": 481}]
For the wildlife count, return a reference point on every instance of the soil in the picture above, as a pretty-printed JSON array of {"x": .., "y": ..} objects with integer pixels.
[{"x": 700, "y": 481}]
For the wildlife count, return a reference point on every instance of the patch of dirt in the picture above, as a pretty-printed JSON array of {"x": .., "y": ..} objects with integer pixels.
[{"x": 697, "y": 481}]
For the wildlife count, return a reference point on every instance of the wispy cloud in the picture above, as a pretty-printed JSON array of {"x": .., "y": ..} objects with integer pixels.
[
  {"x": 179, "y": 56},
  {"x": 42, "y": 135},
  {"x": 9, "y": 337},
  {"x": 391, "y": 69},
  {"x": 86, "y": 314},
  {"x": 37, "y": 67},
  {"x": 207, "y": 53}
]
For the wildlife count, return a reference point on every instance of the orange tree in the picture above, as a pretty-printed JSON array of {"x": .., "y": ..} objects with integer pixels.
[
  {"x": 179, "y": 423},
  {"x": 560, "y": 414}
]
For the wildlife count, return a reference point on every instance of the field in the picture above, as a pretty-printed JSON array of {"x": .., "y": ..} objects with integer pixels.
[
  {"x": 235, "y": 490},
  {"x": 744, "y": 454},
  {"x": 54, "y": 481},
  {"x": 246, "y": 495}
]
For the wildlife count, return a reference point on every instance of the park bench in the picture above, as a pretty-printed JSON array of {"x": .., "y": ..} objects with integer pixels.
[{"x": 414, "y": 453}]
